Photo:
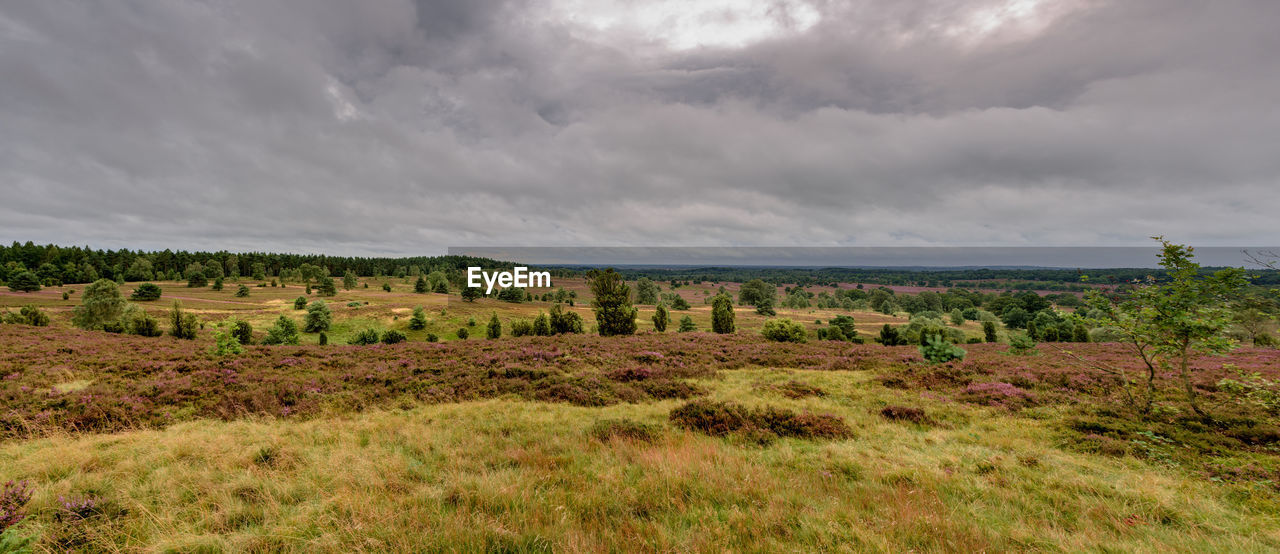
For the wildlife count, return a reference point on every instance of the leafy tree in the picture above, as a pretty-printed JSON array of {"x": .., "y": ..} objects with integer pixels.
[
  {"x": 325, "y": 286},
  {"x": 765, "y": 307},
  {"x": 420, "y": 286},
  {"x": 660, "y": 318},
  {"x": 318, "y": 318},
  {"x": 300, "y": 303},
  {"x": 197, "y": 280},
  {"x": 756, "y": 291},
  {"x": 101, "y": 303},
  {"x": 722, "y": 314},
  {"x": 675, "y": 301},
  {"x": 784, "y": 330},
  {"x": 514, "y": 295},
  {"x": 217, "y": 283},
  {"x": 1166, "y": 322},
  {"x": 687, "y": 325},
  {"x": 612, "y": 303},
  {"x": 848, "y": 327},
  {"x": 470, "y": 294},
  {"x": 646, "y": 291},
  {"x": 349, "y": 280},
  {"x": 957, "y": 317},
  {"x": 242, "y": 292},
  {"x": 182, "y": 325},
  {"x": 1015, "y": 317},
  {"x": 419, "y": 320},
  {"x": 145, "y": 292},
  {"x": 494, "y": 329},
  {"x": 284, "y": 331}
]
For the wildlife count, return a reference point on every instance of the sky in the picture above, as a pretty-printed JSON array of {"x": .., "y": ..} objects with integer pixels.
[{"x": 397, "y": 127}]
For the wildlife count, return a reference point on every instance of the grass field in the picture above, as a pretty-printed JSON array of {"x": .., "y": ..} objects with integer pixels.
[{"x": 153, "y": 445}]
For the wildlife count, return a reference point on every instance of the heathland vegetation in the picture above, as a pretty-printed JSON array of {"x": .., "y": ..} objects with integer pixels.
[{"x": 334, "y": 404}]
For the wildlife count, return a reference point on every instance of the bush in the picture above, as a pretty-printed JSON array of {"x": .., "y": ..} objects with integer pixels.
[
  {"x": 564, "y": 322},
  {"x": 431, "y": 337},
  {"x": 319, "y": 317},
  {"x": 365, "y": 337},
  {"x": 242, "y": 292},
  {"x": 284, "y": 331},
  {"x": 386, "y": 287},
  {"x": 101, "y": 303},
  {"x": 242, "y": 331},
  {"x": 300, "y": 303},
  {"x": 542, "y": 325},
  {"x": 784, "y": 330},
  {"x": 612, "y": 303},
  {"x": 904, "y": 413},
  {"x": 660, "y": 318},
  {"x": 722, "y": 314},
  {"x": 27, "y": 315},
  {"x": 181, "y": 324},
  {"x": 1021, "y": 345},
  {"x": 521, "y": 327},
  {"x": 197, "y": 280},
  {"x": 462, "y": 333},
  {"x": 135, "y": 321},
  {"x": 217, "y": 283},
  {"x": 989, "y": 331},
  {"x": 145, "y": 292},
  {"x": 225, "y": 343},
  {"x": 687, "y": 325},
  {"x": 936, "y": 350},
  {"x": 608, "y": 429},
  {"x": 324, "y": 339},
  {"x": 393, "y": 337},
  {"x": 25, "y": 281},
  {"x": 889, "y": 336},
  {"x": 723, "y": 418},
  {"x": 494, "y": 329},
  {"x": 419, "y": 320},
  {"x": 325, "y": 286}
]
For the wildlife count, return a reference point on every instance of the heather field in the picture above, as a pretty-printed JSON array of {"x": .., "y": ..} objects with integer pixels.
[{"x": 656, "y": 442}]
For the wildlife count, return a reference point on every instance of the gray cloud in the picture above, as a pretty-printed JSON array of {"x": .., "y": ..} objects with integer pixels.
[{"x": 391, "y": 126}]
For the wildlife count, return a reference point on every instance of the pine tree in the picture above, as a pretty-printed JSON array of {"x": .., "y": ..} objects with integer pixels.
[
  {"x": 660, "y": 318},
  {"x": 722, "y": 314}
]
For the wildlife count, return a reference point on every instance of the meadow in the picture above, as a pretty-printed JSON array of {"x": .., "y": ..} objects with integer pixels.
[{"x": 657, "y": 442}]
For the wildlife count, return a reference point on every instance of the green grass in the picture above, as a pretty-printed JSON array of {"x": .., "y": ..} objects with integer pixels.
[{"x": 522, "y": 476}]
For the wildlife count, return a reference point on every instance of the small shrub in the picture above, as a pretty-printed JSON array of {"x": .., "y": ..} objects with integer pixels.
[
  {"x": 242, "y": 331},
  {"x": 996, "y": 394},
  {"x": 626, "y": 429},
  {"x": 242, "y": 292},
  {"x": 686, "y": 325},
  {"x": 494, "y": 329},
  {"x": 462, "y": 333},
  {"x": 324, "y": 339},
  {"x": 365, "y": 337},
  {"x": 386, "y": 287},
  {"x": 431, "y": 337},
  {"x": 225, "y": 343},
  {"x": 27, "y": 315},
  {"x": 284, "y": 331},
  {"x": 784, "y": 330},
  {"x": 135, "y": 321},
  {"x": 354, "y": 304},
  {"x": 181, "y": 324},
  {"x": 300, "y": 303},
  {"x": 904, "y": 413},
  {"x": 144, "y": 293},
  {"x": 798, "y": 389},
  {"x": 1021, "y": 345},
  {"x": 521, "y": 327},
  {"x": 419, "y": 320},
  {"x": 393, "y": 337},
  {"x": 13, "y": 502},
  {"x": 938, "y": 351},
  {"x": 319, "y": 317}
]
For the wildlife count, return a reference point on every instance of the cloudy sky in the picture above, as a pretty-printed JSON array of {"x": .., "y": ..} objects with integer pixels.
[{"x": 401, "y": 127}]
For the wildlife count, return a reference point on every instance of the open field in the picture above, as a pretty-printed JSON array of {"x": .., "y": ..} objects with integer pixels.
[{"x": 499, "y": 445}]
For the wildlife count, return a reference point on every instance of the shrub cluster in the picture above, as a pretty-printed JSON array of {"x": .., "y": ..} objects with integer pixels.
[{"x": 725, "y": 418}]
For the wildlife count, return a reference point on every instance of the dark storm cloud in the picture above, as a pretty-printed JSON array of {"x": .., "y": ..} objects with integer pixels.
[{"x": 403, "y": 127}]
